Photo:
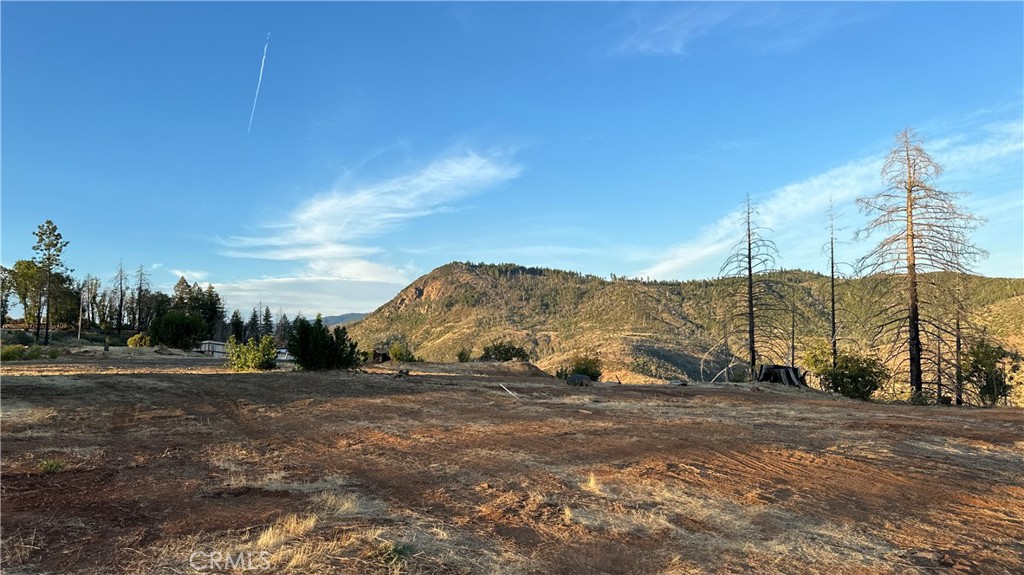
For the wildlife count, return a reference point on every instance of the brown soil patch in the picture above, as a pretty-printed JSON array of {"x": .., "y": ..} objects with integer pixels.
[{"x": 170, "y": 465}]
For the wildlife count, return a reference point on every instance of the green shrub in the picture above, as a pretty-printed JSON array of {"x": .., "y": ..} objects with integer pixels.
[
  {"x": 253, "y": 355},
  {"x": 400, "y": 351},
  {"x": 51, "y": 466},
  {"x": 818, "y": 359},
  {"x": 739, "y": 374},
  {"x": 987, "y": 367},
  {"x": 589, "y": 366},
  {"x": 139, "y": 340},
  {"x": 19, "y": 337},
  {"x": 178, "y": 329},
  {"x": 34, "y": 352},
  {"x": 393, "y": 554},
  {"x": 856, "y": 376},
  {"x": 53, "y": 353},
  {"x": 12, "y": 352},
  {"x": 464, "y": 355},
  {"x": 504, "y": 351},
  {"x": 314, "y": 348}
]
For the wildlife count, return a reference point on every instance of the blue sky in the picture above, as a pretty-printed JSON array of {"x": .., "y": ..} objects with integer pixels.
[{"x": 391, "y": 138}]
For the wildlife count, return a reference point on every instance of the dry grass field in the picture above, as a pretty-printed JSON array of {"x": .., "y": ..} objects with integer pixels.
[{"x": 172, "y": 465}]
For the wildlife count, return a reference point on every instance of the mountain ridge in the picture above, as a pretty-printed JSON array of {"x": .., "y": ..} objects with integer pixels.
[
  {"x": 342, "y": 319},
  {"x": 643, "y": 331}
]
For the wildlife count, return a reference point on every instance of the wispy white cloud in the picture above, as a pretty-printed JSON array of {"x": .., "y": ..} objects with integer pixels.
[
  {"x": 672, "y": 28},
  {"x": 789, "y": 27},
  {"x": 797, "y": 212},
  {"x": 330, "y": 236},
  {"x": 310, "y": 295},
  {"x": 788, "y": 211},
  {"x": 327, "y": 225},
  {"x": 190, "y": 275},
  {"x": 1001, "y": 141}
]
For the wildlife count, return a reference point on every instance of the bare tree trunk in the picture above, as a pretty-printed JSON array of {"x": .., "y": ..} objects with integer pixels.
[
  {"x": 926, "y": 231},
  {"x": 726, "y": 328},
  {"x": 120, "y": 308},
  {"x": 750, "y": 303},
  {"x": 832, "y": 295},
  {"x": 751, "y": 259},
  {"x": 792, "y": 333},
  {"x": 46, "y": 339},
  {"x": 914, "y": 327},
  {"x": 39, "y": 316},
  {"x": 959, "y": 368}
]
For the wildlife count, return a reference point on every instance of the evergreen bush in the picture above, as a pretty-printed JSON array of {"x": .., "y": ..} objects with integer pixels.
[
  {"x": 583, "y": 365},
  {"x": 178, "y": 329},
  {"x": 254, "y": 355},
  {"x": 504, "y": 351},
  {"x": 314, "y": 348},
  {"x": 854, "y": 375},
  {"x": 400, "y": 351}
]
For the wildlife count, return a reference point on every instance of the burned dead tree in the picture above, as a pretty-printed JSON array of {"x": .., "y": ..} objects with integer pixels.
[
  {"x": 759, "y": 296},
  {"x": 924, "y": 230}
]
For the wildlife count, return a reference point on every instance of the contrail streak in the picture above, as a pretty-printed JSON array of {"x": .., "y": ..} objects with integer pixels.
[{"x": 258, "y": 82}]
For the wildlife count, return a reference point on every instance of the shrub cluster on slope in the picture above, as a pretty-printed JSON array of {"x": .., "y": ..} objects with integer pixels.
[{"x": 504, "y": 351}]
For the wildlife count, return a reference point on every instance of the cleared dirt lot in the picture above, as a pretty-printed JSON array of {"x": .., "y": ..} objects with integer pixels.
[{"x": 171, "y": 465}]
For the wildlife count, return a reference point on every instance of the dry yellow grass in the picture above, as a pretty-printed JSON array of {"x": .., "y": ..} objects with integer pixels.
[
  {"x": 345, "y": 505},
  {"x": 592, "y": 485},
  {"x": 285, "y": 529},
  {"x": 358, "y": 473}
]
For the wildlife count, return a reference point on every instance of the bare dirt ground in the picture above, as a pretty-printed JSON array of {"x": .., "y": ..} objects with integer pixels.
[{"x": 169, "y": 464}]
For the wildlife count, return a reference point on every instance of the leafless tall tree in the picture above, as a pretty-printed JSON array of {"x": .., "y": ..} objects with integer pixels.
[
  {"x": 142, "y": 286},
  {"x": 925, "y": 230},
  {"x": 833, "y": 332},
  {"x": 120, "y": 283},
  {"x": 752, "y": 259},
  {"x": 91, "y": 289}
]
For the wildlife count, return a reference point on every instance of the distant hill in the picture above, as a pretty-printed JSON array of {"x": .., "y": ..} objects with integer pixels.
[
  {"x": 343, "y": 319},
  {"x": 642, "y": 331}
]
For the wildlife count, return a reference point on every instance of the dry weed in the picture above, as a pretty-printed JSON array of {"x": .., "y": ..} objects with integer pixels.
[
  {"x": 19, "y": 548},
  {"x": 283, "y": 530},
  {"x": 343, "y": 505},
  {"x": 679, "y": 566},
  {"x": 592, "y": 485}
]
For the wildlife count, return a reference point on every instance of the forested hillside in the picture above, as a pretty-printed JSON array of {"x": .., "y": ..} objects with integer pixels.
[{"x": 642, "y": 330}]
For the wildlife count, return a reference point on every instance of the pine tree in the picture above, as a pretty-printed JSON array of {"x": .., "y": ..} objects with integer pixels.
[
  {"x": 267, "y": 327},
  {"x": 283, "y": 330},
  {"x": 182, "y": 297},
  {"x": 49, "y": 249},
  {"x": 237, "y": 325},
  {"x": 252, "y": 327}
]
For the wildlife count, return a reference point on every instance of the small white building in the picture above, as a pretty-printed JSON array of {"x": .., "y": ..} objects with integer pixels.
[
  {"x": 219, "y": 349},
  {"x": 213, "y": 348}
]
